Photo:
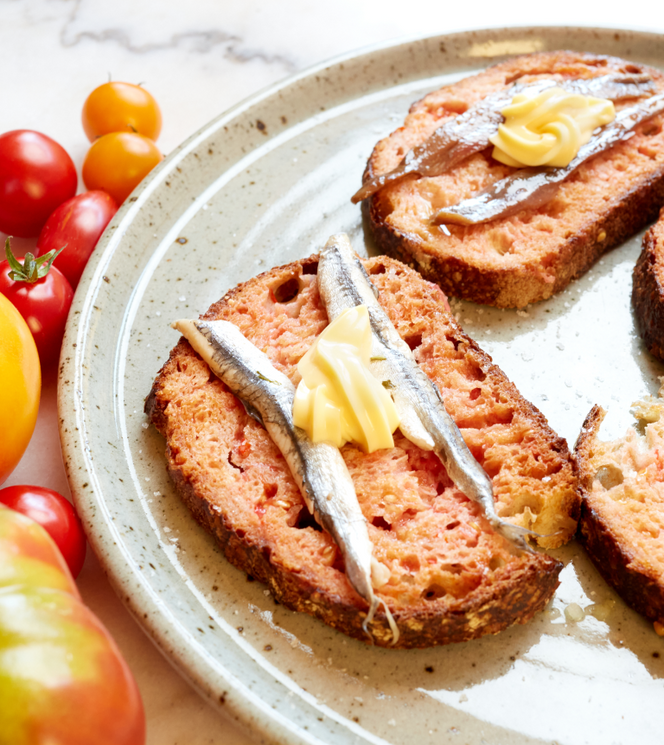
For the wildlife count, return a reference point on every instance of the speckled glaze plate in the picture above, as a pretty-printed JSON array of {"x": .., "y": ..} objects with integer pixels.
[{"x": 265, "y": 183}]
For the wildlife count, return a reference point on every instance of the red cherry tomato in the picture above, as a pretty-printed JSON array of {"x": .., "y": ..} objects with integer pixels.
[
  {"x": 121, "y": 107},
  {"x": 55, "y": 514},
  {"x": 77, "y": 224},
  {"x": 117, "y": 162},
  {"x": 44, "y": 305},
  {"x": 36, "y": 175}
]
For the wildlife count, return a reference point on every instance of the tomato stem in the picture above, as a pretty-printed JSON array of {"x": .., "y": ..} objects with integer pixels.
[{"x": 33, "y": 269}]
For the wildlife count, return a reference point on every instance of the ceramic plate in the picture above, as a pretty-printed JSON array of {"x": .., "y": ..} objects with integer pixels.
[{"x": 263, "y": 184}]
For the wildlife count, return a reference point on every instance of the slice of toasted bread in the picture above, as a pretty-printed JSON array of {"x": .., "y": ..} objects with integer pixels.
[
  {"x": 622, "y": 513},
  {"x": 648, "y": 289},
  {"x": 451, "y": 577},
  {"x": 513, "y": 261}
]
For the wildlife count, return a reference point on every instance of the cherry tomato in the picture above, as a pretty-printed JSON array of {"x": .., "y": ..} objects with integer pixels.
[
  {"x": 121, "y": 107},
  {"x": 20, "y": 385},
  {"x": 55, "y": 514},
  {"x": 117, "y": 162},
  {"x": 76, "y": 225},
  {"x": 43, "y": 302},
  {"x": 36, "y": 175}
]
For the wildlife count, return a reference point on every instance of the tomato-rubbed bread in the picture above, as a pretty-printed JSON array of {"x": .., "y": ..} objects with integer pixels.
[
  {"x": 648, "y": 289},
  {"x": 451, "y": 577},
  {"x": 622, "y": 513},
  {"x": 529, "y": 256}
]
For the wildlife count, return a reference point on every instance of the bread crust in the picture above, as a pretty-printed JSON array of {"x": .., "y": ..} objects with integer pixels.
[
  {"x": 648, "y": 289},
  {"x": 617, "y": 561},
  {"x": 540, "y": 257},
  {"x": 511, "y": 591}
]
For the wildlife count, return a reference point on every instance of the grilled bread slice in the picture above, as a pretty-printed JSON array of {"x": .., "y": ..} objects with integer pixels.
[
  {"x": 451, "y": 577},
  {"x": 529, "y": 256},
  {"x": 622, "y": 513},
  {"x": 648, "y": 289}
]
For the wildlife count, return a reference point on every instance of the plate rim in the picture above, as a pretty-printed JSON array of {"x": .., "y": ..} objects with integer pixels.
[{"x": 123, "y": 576}]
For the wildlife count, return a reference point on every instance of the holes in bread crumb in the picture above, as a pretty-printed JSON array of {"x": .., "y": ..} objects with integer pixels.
[
  {"x": 649, "y": 152},
  {"x": 413, "y": 341},
  {"x": 476, "y": 373},
  {"x": 650, "y": 129},
  {"x": 496, "y": 562},
  {"x": 411, "y": 563},
  {"x": 270, "y": 490},
  {"x": 475, "y": 394},
  {"x": 380, "y": 522},
  {"x": 434, "y": 592},
  {"x": 286, "y": 291},
  {"x": 448, "y": 108},
  {"x": 234, "y": 465},
  {"x": 501, "y": 241},
  {"x": 378, "y": 269},
  {"x": 310, "y": 268},
  {"x": 633, "y": 69},
  {"x": 609, "y": 476},
  {"x": 306, "y": 520},
  {"x": 522, "y": 501},
  {"x": 454, "y": 341},
  {"x": 451, "y": 526}
]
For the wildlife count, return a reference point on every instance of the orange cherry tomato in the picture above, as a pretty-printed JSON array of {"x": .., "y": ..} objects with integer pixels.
[
  {"x": 20, "y": 386},
  {"x": 121, "y": 107},
  {"x": 117, "y": 162}
]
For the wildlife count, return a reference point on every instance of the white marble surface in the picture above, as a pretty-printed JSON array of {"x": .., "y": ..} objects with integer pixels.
[{"x": 198, "y": 58}]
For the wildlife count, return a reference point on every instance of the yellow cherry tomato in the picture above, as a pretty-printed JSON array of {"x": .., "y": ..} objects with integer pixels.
[
  {"x": 20, "y": 386},
  {"x": 121, "y": 107},
  {"x": 117, "y": 162}
]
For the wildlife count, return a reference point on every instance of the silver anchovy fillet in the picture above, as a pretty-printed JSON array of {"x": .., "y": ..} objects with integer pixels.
[
  {"x": 529, "y": 188},
  {"x": 344, "y": 283},
  {"x": 318, "y": 467},
  {"x": 458, "y": 138}
]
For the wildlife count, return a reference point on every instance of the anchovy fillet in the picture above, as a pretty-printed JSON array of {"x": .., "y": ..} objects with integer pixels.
[
  {"x": 344, "y": 283},
  {"x": 530, "y": 188},
  {"x": 461, "y": 137},
  {"x": 318, "y": 468}
]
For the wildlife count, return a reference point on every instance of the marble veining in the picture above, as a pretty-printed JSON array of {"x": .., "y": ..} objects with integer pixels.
[{"x": 199, "y": 58}]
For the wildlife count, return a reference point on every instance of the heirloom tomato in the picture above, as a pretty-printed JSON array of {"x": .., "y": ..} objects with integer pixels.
[
  {"x": 20, "y": 386},
  {"x": 121, "y": 107},
  {"x": 36, "y": 175},
  {"x": 62, "y": 677},
  {"x": 42, "y": 295},
  {"x": 75, "y": 227},
  {"x": 117, "y": 162},
  {"x": 55, "y": 514}
]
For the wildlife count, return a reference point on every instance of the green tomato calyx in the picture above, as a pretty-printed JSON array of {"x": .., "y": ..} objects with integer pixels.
[{"x": 33, "y": 269}]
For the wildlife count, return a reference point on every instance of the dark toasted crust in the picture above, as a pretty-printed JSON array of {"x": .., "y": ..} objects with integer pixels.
[
  {"x": 647, "y": 289},
  {"x": 615, "y": 561},
  {"x": 537, "y": 275},
  {"x": 510, "y": 288},
  {"x": 525, "y": 590},
  {"x": 518, "y": 588}
]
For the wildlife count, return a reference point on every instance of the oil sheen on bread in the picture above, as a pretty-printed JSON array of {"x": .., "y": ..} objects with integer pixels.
[
  {"x": 451, "y": 577},
  {"x": 535, "y": 252}
]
